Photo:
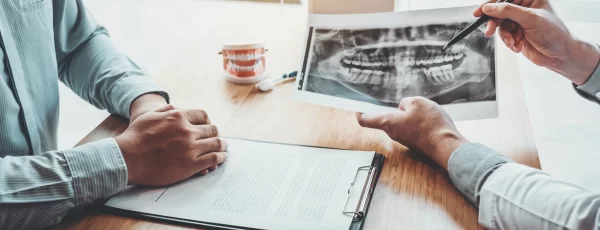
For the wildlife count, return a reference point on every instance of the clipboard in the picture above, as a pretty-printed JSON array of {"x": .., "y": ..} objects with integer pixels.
[{"x": 358, "y": 213}]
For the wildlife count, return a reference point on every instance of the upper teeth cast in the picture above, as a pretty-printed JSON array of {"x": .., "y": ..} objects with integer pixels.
[{"x": 244, "y": 57}]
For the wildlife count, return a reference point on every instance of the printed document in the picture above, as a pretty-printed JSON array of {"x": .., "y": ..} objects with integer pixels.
[{"x": 264, "y": 186}]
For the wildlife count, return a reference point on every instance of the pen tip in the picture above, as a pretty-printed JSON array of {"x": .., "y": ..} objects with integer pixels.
[{"x": 444, "y": 48}]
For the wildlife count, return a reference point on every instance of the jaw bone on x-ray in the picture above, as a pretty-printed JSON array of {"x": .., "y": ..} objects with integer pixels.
[{"x": 383, "y": 65}]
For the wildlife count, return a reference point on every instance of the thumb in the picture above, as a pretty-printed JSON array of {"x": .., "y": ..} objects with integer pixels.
[
  {"x": 522, "y": 15},
  {"x": 375, "y": 121}
]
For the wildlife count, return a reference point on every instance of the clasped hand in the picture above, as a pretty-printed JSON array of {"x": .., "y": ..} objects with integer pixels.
[{"x": 168, "y": 145}]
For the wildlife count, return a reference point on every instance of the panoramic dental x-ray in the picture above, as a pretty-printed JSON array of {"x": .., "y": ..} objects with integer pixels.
[{"x": 383, "y": 65}]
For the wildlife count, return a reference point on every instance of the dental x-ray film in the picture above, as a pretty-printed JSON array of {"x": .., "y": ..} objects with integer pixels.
[{"x": 369, "y": 62}]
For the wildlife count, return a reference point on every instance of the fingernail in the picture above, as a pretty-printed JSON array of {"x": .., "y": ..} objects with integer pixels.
[
  {"x": 508, "y": 42},
  {"x": 225, "y": 145},
  {"x": 225, "y": 155},
  {"x": 360, "y": 116}
]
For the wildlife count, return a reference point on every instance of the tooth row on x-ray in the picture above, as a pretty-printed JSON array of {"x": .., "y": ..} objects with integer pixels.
[
  {"x": 403, "y": 59},
  {"x": 436, "y": 75},
  {"x": 435, "y": 65}
]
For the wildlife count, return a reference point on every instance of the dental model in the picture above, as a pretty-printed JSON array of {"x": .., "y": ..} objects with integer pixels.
[{"x": 244, "y": 63}]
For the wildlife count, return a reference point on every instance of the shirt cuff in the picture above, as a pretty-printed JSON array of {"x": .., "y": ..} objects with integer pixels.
[
  {"x": 591, "y": 88},
  {"x": 129, "y": 88},
  {"x": 98, "y": 170},
  {"x": 470, "y": 165}
]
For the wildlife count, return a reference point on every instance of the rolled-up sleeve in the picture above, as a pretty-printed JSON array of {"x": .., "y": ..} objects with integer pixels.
[
  {"x": 513, "y": 196},
  {"x": 38, "y": 191},
  {"x": 591, "y": 88},
  {"x": 470, "y": 165},
  {"x": 90, "y": 64},
  {"x": 519, "y": 197}
]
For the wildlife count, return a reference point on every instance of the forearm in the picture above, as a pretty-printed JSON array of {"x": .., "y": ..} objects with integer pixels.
[
  {"x": 38, "y": 191},
  {"x": 106, "y": 78},
  {"x": 513, "y": 196},
  {"x": 582, "y": 61},
  {"x": 92, "y": 66}
]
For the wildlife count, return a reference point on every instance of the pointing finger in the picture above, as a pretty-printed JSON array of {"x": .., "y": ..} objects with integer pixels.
[{"x": 374, "y": 121}]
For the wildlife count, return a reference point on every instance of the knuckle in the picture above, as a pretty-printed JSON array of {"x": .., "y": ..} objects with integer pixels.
[
  {"x": 214, "y": 130},
  {"x": 406, "y": 100},
  {"x": 177, "y": 114},
  {"x": 203, "y": 113},
  {"x": 186, "y": 143},
  {"x": 217, "y": 143},
  {"x": 215, "y": 158},
  {"x": 504, "y": 7},
  {"x": 418, "y": 101},
  {"x": 187, "y": 132},
  {"x": 385, "y": 123},
  {"x": 535, "y": 16},
  {"x": 169, "y": 107}
]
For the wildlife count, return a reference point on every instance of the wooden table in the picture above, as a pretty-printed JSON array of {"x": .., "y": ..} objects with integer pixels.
[{"x": 412, "y": 192}]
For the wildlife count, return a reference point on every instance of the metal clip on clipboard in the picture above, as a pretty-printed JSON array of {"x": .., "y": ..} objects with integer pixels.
[{"x": 365, "y": 196}]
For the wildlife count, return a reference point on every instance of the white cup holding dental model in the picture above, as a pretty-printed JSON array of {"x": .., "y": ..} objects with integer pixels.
[{"x": 244, "y": 63}]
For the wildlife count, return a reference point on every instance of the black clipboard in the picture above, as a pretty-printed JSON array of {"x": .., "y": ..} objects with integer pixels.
[{"x": 359, "y": 213}]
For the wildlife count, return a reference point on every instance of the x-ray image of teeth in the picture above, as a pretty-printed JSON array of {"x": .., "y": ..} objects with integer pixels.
[{"x": 383, "y": 65}]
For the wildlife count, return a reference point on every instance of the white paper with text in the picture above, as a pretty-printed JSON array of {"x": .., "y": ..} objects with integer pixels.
[{"x": 262, "y": 185}]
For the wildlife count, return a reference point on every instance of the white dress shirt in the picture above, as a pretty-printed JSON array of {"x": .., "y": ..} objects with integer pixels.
[{"x": 514, "y": 196}]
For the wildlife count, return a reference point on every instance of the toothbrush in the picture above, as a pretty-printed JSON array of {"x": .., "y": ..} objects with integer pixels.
[{"x": 270, "y": 83}]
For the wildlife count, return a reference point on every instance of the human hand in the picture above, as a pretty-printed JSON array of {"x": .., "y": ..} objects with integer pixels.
[
  {"x": 531, "y": 27},
  {"x": 145, "y": 103},
  {"x": 419, "y": 124},
  {"x": 168, "y": 145}
]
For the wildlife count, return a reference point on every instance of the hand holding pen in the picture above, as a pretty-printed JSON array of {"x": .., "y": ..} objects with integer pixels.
[
  {"x": 532, "y": 28},
  {"x": 483, "y": 18}
]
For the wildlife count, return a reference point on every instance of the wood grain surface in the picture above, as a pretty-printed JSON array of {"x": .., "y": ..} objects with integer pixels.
[{"x": 412, "y": 193}]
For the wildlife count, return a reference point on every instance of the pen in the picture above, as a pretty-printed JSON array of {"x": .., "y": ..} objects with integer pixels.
[{"x": 483, "y": 19}]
